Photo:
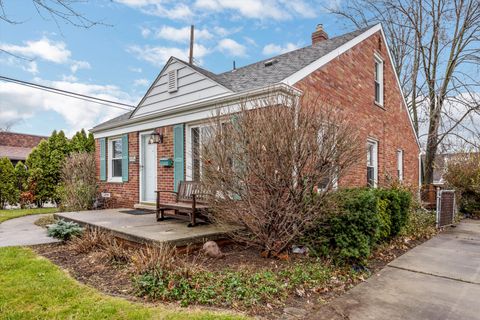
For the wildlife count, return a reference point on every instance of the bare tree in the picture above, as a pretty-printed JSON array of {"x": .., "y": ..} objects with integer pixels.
[
  {"x": 436, "y": 49},
  {"x": 57, "y": 10},
  {"x": 270, "y": 165}
]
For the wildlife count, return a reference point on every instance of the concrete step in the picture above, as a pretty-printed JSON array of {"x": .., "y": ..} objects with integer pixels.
[{"x": 145, "y": 206}]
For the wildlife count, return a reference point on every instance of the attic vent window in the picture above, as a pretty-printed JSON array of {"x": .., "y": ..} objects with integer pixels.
[
  {"x": 172, "y": 81},
  {"x": 271, "y": 62}
]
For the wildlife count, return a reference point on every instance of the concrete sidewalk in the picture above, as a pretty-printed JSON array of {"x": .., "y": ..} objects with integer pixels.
[
  {"x": 23, "y": 232},
  {"x": 439, "y": 279}
]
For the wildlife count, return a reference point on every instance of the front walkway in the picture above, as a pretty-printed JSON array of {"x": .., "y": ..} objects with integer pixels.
[
  {"x": 439, "y": 279},
  {"x": 145, "y": 228},
  {"x": 23, "y": 232}
]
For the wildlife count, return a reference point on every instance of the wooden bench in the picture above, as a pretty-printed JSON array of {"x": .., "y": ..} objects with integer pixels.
[{"x": 189, "y": 200}]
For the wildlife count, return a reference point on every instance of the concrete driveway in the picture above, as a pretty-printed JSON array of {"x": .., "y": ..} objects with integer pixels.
[
  {"x": 23, "y": 232},
  {"x": 439, "y": 279}
]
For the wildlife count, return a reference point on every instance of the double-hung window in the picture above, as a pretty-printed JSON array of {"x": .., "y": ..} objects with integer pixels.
[
  {"x": 400, "y": 164},
  {"x": 372, "y": 163},
  {"x": 378, "y": 80},
  {"x": 115, "y": 160},
  {"x": 198, "y": 135}
]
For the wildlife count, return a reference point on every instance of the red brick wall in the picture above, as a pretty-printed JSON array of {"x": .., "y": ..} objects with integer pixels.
[
  {"x": 20, "y": 140},
  {"x": 347, "y": 83},
  {"x": 126, "y": 194}
]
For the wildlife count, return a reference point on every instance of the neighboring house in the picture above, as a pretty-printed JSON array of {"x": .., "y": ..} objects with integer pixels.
[
  {"x": 17, "y": 146},
  {"x": 440, "y": 166},
  {"x": 353, "y": 71}
]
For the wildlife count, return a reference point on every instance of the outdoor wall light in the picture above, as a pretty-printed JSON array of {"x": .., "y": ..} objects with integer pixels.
[{"x": 156, "y": 137}]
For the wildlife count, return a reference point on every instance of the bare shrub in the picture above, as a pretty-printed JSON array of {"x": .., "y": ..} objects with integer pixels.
[
  {"x": 92, "y": 238},
  {"x": 270, "y": 165},
  {"x": 115, "y": 251},
  {"x": 150, "y": 257},
  {"x": 79, "y": 186},
  {"x": 463, "y": 174}
]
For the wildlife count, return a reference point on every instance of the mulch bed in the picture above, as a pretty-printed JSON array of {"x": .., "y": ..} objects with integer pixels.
[
  {"x": 95, "y": 270},
  {"x": 90, "y": 268}
]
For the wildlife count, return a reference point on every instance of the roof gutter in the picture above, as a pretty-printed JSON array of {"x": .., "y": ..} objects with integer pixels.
[{"x": 209, "y": 104}]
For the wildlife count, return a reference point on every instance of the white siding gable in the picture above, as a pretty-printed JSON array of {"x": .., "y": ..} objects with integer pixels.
[{"x": 178, "y": 84}]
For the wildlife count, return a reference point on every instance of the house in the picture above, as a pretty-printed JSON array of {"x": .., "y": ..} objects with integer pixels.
[
  {"x": 353, "y": 70},
  {"x": 17, "y": 146}
]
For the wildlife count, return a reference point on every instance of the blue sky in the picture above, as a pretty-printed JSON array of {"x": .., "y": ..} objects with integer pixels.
[{"x": 120, "y": 59}]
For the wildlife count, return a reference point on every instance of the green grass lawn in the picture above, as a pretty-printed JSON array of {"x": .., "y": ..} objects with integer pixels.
[
  {"x": 31, "y": 287},
  {"x": 15, "y": 213}
]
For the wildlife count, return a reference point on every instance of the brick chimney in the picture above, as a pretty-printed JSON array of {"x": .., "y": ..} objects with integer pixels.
[{"x": 319, "y": 35}]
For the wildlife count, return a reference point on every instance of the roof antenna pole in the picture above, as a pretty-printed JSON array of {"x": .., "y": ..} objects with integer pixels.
[{"x": 190, "y": 57}]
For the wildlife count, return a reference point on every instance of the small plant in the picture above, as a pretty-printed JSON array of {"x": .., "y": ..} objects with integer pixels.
[
  {"x": 115, "y": 251},
  {"x": 45, "y": 221},
  {"x": 92, "y": 238},
  {"x": 64, "y": 230},
  {"x": 162, "y": 256}
]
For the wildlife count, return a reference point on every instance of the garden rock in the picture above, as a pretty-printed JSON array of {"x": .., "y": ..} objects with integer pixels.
[
  {"x": 211, "y": 249},
  {"x": 294, "y": 313}
]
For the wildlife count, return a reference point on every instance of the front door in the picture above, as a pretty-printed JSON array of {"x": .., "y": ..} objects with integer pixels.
[{"x": 148, "y": 169}]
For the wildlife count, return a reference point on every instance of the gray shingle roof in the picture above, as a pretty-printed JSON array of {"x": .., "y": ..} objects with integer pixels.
[
  {"x": 257, "y": 75},
  {"x": 119, "y": 119}
]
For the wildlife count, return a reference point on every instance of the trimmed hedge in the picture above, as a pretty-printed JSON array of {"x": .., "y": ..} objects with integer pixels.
[{"x": 365, "y": 218}]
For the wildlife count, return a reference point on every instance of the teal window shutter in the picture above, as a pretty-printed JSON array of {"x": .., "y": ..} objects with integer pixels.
[
  {"x": 178, "y": 155},
  {"x": 125, "y": 157},
  {"x": 103, "y": 159}
]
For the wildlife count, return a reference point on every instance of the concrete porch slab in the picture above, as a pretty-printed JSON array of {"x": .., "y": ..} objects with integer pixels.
[{"x": 145, "y": 228}]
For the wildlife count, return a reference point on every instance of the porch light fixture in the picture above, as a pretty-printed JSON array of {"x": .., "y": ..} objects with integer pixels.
[{"x": 156, "y": 137}]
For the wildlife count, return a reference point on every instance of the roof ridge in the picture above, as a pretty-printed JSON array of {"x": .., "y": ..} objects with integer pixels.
[
  {"x": 295, "y": 50},
  {"x": 23, "y": 134}
]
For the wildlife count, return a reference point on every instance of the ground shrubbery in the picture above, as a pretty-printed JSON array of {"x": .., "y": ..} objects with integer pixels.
[
  {"x": 361, "y": 219},
  {"x": 64, "y": 230},
  {"x": 38, "y": 180},
  {"x": 8, "y": 190}
]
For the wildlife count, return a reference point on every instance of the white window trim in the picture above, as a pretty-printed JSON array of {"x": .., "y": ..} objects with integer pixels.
[
  {"x": 400, "y": 161},
  {"x": 110, "y": 158},
  {"x": 375, "y": 160},
  {"x": 188, "y": 148},
  {"x": 380, "y": 61}
]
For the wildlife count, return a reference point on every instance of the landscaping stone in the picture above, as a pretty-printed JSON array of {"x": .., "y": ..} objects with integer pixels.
[
  {"x": 292, "y": 313},
  {"x": 211, "y": 249}
]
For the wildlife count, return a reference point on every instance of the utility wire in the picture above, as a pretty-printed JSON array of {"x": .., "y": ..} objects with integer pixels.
[{"x": 70, "y": 94}]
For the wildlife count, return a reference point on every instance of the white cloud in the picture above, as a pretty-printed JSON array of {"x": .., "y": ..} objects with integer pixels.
[
  {"x": 44, "y": 48},
  {"x": 69, "y": 78},
  {"x": 141, "y": 82},
  {"x": 159, "y": 55},
  {"x": 247, "y": 8},
  {"x": 32, "y": 67},
  {"x": 177, "y": 34},
  {"x": 274, "y": 49},
  {"x": 134, "y": 69},
  {"x": 20, "y": 103},
  {"x": 232, "y": 47},
  {"x": 255, "y": 9},
  {"x": 178, "y": 11},
  {"x": 145, "y": 32},
  {"x": 76, "y": 65}
]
